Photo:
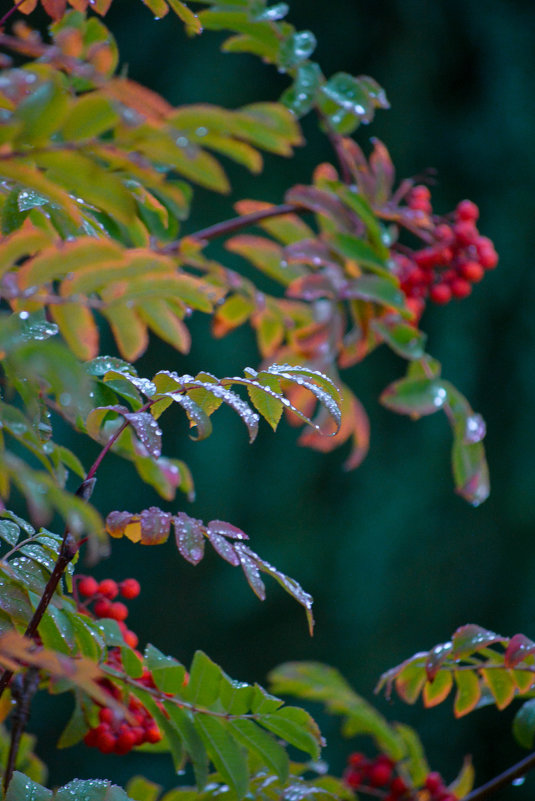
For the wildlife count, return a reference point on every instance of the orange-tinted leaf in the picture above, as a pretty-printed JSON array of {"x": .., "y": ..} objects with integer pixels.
[
  {"x": 269, "y": 331},
  {"x": 437, "y": 690},
  {"x": 264, "y": 254},
  {"x": 468, "y": 692},
  {"x": 25, "y": 241},
  {"x": 57, "y": 260},
  {"x": 54, "y": 8},
  {"x": 77, "y": 327},
  {"x": 233, "y": 312},
  {"x": 27, "y": 6},
  {"x": 129, "y": 330},
  {"x": 32, "y": 178}
]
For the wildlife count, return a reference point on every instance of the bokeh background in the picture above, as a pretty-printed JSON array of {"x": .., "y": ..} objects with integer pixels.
[{"x": 394, "y": 559}]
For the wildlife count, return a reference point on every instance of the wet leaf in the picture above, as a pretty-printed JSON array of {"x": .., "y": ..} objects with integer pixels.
[
  {"x": 468, "y": 692},
  {"x": 189, "y": 535},
  {"x": 524, "y": 724},
  {"x": 415, "y": 396}
]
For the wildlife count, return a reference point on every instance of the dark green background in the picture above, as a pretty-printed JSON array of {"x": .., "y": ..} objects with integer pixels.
[{"x": 394, "y": 559}]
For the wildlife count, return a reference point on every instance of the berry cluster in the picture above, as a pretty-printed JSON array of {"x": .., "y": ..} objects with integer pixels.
[
  {"x": 115, "y": 735},
  {"x": 375, "y": 774},
  {"x": 378, "y": 777},
  {"x": 102, "y": 595},
  {"x": 456, "y": 256}
]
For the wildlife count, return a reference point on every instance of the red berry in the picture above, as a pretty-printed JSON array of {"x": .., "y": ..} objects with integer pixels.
[
  {"x": 444, "y": 233},
  {"x": 434, "y": 783},
  {"x": 467, "y": 210},
  {"x": 440, "y": 293},
  {"x": 472, "y": 271},
  {"x": 153, "y": 734},
  {"x": 398, "y": 786},
  {"x": 488, "y": 257},
  {"x": 353, "y": 778},
  {"x": 106, "y": 742},
  {"x": 131, "y": 638},
  {"x": 460, "y": 288},
  {"x": 420, "y": 192},
  {"x": 109, "y": 589},
  {"x": 125, "y": 742},
  {"x": 139, "y": 733},
  {"x": 465, "y": 232},
  {"x": 102, "y": 608},
  {"x": 129, "y": 588},
  {"x": 118, "y": 611},
  {"x": 356, "y": 759},
  {"x": 106, "y": 715},
  {"x": 88, "y": 586},
  {"x": 91, "y": 738},
  {"x": 380, "y": 774}
]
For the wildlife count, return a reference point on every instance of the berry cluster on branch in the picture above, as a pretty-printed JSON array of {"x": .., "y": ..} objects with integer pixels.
[
  {"x": 455, "y": 257},
  {"x": 379, "y": 778},
  {"x": 114, "y": 734},
  {"x": 102, "y": 595}
]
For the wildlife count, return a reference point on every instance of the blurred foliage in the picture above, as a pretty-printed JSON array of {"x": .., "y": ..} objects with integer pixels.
[{"x": 401, "y": 556}]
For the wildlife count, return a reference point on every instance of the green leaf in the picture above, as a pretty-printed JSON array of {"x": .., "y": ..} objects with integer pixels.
[
  {"x": 296, "y": 48},
  {"x": 90, "y": 790},
  {"x": 470, "y": 471},
  {"x": 141, "y": 789},
  {"x": 300, "y": 97},
  {"x": 524, "y": 724},
  {"x": 268, "y": 749},
  {"x": 167, "y": 672},
  {"x": 22, "y": 788},
  {"x": 296, "y": 727},
  {"x": 132, "y": 664},
  {"x": 42, "y": 112},
  {"x": 224, "y": 752},
  {"x": 190, "y": 20},
  {"x": 76, "y": 728},
  {"x": 193, "y": 742},
  {"x": 204, "y": 680},
  {"x": 9, "y": 532},
  {"x": 269, "y": 407},
  {"x": 90, "y": 116},
  {"x": 404, "y": 339},
  {"x": 468, "y": 692},
  {"x": 351, "y": 247},
  {"x": 414, "y": 761},
  {"x": 415, "y": 396},
  {"x": 501, "y": 684}
]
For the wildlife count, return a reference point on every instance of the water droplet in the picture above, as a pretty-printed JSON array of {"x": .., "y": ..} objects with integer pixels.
[
  {"x": 65, "y": 399},
  {"x": 475, "y": 429},
  {"x": 518, "y": 781},
  {"x": 182, "y": 141},
  {"x": 201, "y": 131},
  {"x": 24, "y": 315}
]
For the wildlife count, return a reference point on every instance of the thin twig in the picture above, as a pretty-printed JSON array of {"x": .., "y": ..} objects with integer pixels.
[
  {"x": 237, "y": 223},
  {"x": 22, "y": 692},
  {"x": 503, "y": 779},
  {"x": 10, "y": 12}
]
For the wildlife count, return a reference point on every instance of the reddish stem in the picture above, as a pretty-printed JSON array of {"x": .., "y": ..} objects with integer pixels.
[{"x": 237, "y": 223}]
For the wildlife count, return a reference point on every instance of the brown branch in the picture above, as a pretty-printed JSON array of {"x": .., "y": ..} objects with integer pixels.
[
  {"x": 502, "y": 780},
  {"x": 22, "y": 692},
  {"x": 237, "y": 223}
]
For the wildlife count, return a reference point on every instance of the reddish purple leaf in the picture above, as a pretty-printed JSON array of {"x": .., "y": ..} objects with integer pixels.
[
  {"x": 116, "y": 523},
  {"x": 437, "y": 656},
  {"x": 189, "y": 534},
  {"x": 147, "y": 431},
  {"x": 518, "y": 649},
  {"x": 226, "y": 530},
  {"x": 470, "y": 638},
  {"x": 252, "y": 573},
  {"x": 312, "y": 252},
  {"x": 322, "y": 202},
  {"x": 155, "y": 526},
  {"x": 224, "y": 548}
]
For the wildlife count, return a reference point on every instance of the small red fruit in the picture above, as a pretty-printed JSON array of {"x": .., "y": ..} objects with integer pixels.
[
  {"x": 153, "y": 734},
  {"x": 102, "y": 608},
  {"x": 460, "y": 288},
  {"x": 472, "y": 271},
  {"x": 467, "y": 210},
  {"x": 440, "y": 293},
  {"x": 131, "y": 638},
  {"x": 129, "y": 588},
  {"x": 398, "y": 786},
  {"x": 109, "y": 589},
  {"x": 125, "y": 742},
  {"x": 118, "y": 611},
  {"x": 465, "y": 232},
  {"x": 380, "y": 774},
  {"x": 434, "y": 783},
  {"x": 88, "y": 586}
]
